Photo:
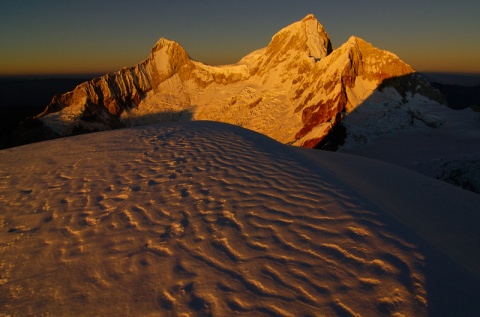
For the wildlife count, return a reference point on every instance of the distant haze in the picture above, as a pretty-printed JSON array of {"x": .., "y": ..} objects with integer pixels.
[
  {"x": 71, "y": 37},
  {"x": 468, "y": 80}
]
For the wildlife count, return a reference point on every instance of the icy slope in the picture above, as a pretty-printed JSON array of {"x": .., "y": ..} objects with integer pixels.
[
  {"x": 204, "y": 218},
  {"x": 293, "y": 90}
]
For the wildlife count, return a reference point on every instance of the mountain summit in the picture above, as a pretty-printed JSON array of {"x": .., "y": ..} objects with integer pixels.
[{"x": 294, "y": 90}]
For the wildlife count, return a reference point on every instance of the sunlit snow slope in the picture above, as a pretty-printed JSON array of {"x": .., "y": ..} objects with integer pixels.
[{"x": 205, "y": 218}]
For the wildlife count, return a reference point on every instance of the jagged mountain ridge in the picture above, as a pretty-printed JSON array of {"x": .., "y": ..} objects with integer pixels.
[{"x": 294, "y": 90}]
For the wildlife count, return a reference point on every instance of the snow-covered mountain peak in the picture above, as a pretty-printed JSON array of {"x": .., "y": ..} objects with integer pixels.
[
  {"x": 294, "y": 90},
  {"x": 377, "y": 64},
  {"x": 168, "y": 56},
  {"x": 355, "y": 40},
  {"x": 307, "y": 35},
  {"x": 309, "y": 16},
  {"x": 163, "y": 42},
  {"x": 294, "y": 49}
]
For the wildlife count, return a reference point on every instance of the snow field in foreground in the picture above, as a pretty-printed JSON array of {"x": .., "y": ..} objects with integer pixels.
[{"x": 206, "y": 218}]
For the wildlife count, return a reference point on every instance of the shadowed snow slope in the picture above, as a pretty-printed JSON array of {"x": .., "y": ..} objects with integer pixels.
[
  {"x": 204, "y": 218},
  {"x": 447, "y": 147}
]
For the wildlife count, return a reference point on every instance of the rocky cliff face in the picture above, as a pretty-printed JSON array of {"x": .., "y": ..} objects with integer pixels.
[{"x": 294, "y": 90}]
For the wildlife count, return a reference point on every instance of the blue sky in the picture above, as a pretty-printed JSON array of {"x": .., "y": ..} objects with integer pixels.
[{"x": 52, "y": 36}]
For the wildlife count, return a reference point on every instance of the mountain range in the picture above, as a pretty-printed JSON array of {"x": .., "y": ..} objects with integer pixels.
[{"x": 295, "y": 90}]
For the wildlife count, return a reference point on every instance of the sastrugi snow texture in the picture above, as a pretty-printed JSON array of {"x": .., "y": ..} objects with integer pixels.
[{"x": 209, "y": 219}]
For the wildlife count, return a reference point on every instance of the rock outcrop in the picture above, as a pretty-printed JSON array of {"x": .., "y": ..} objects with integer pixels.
[{"x": 294, "y": 90}]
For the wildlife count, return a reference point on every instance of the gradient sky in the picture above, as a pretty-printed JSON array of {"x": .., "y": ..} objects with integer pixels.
[{"x": 100, "y": 36}]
